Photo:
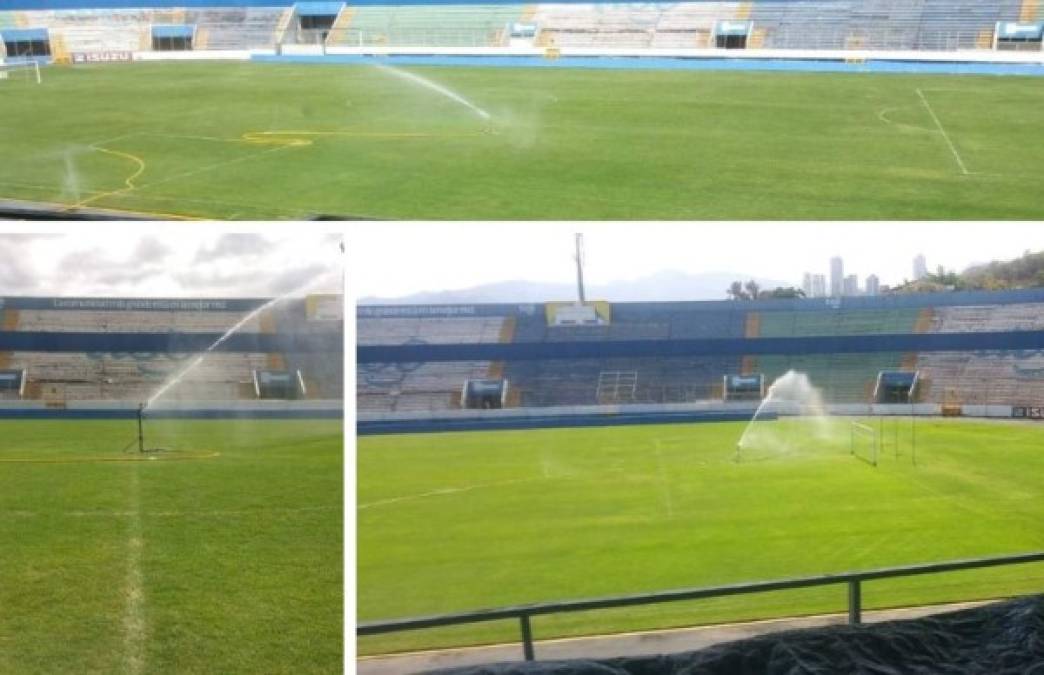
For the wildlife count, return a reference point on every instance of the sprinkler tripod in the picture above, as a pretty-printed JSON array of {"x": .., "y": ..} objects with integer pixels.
[{"x": 141, "y": 434}]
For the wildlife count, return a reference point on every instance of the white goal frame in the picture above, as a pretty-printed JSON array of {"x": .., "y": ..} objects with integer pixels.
[
  {"x": 8, "y": 67},
  {"x": 859, "y": 434}
]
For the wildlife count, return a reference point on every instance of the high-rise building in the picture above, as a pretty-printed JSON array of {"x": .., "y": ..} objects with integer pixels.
[
  {"x": 837, "y": 276},
  {"x": 873, "y": 285},
  {"x": 920, "y": 267},
  {"x": 819, "y": 286},
  {"x": 851, "y": 285},
  {"x": 806, "y": 284}
]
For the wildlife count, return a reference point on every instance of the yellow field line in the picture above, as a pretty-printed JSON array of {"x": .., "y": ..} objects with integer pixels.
[
  {"x": 279, "y": 138},
  {"x": 129, "y": 182},
  {"x": 299, "y": 138}
]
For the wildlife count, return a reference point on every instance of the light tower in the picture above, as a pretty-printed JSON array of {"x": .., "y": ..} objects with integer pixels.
[{"x": 579, "y": 257}]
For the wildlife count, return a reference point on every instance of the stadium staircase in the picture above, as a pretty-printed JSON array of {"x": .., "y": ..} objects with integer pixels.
[
  {"x": 753, "y": 325},
  {"x": 1030, "y": 11},
  {"x": 282, "y": 25},
  {"x": 341, "y": 24},
  {"x": 507, "y": 335},
  {"x": 8, "y": 322}
]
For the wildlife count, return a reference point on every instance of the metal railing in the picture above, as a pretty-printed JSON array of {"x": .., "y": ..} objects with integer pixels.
[{"x": 524, "y": 613}]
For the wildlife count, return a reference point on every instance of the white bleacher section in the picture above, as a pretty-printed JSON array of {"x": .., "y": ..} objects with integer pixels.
[
  {"x": 96, "y": 30},
  {"x": 666, "y": 25},
  {"x": 1002, "y": 378},
  {"x": 944, "y": 25},
  {"x": 421, "y": 387},
  {"x": 235, "y": 28},
  {"x": 395, "y": 331},
  {"x": 79, "y": 376},
  {"x": 882, "y": 25},
  {"x": 55, "y": 321},
  {"x": 978, "y": 318}
]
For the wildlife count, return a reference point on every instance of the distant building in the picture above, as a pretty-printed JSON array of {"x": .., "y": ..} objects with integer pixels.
[
  {"x": 806, "y": 284},
  {"x": 873, "y": 285},
  {"x": 818, "y": 286},
  {"x": 851, "y": 285},
  {"x": 837, "y": 276},
  {"x": 920, "y": 267}
]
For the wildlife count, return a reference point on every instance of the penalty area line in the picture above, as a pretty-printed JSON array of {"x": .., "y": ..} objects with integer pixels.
[{"x": 946, "y": 136}]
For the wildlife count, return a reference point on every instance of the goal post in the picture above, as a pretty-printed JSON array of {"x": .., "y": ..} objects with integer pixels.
[
  {"x": 863, "y": 442},
  {"x": 24, "y": 69}
]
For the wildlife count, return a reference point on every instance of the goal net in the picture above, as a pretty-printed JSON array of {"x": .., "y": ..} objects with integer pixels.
[
  {"x": 863, "y": 442},
  {"x": 23, "y": 70}
]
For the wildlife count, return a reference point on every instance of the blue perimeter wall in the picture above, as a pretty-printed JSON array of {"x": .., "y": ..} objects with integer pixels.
[
  {"x": 433, "y": 425},
  {"x": 158, "y": 343},
  {"x": 911, "y": 301},
  {"x": 1027, "y": 340},
  {"x": 913, "y": 65},
  {"x": 136, "y": 4},
  {"x": 131, "y": 414}
]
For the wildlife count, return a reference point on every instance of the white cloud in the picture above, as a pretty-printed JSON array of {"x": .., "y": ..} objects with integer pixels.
[{"x": 172, "y": 260}]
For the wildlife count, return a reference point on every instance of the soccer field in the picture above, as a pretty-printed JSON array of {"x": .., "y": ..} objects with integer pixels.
[
  {"x": 223, "y": 555},
  {"x": 461, "y": 521},
  {"x": 258, "y": 141}
]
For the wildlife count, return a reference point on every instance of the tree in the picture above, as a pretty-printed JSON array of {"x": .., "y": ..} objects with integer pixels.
[
  {"x": 736, "y": 291},
  {"x": 780, "y": 293},
  {"x": 752, "y": 289}
]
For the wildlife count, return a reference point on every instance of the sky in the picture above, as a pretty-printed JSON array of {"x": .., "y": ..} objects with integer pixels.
[
  {"x": 396, "y": 259},
  {"x": 177, "y": 261}
]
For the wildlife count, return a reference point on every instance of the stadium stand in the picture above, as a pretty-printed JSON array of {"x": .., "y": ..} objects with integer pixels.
[
  {"x": 427, "y": 26},
  {"x": 430, "y": 386},
  {"x": 235, "y": 28},
  {"x": 61, "y": 376},
  {"x": 1011, "y": 378},
  {"x": 777, "y": 24}
]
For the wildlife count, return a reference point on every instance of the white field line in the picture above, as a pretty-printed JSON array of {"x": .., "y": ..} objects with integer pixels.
[
  {"x": 946, "y": 136},
  {"x": 883, "y": 113},
  {"x": 134, "y": 627},
  {"x": 167, "y": 514},
  {"x": 443, "y": 491},
  {"x": 34, "y": 186},
  {"x": 669, "y": 503}
]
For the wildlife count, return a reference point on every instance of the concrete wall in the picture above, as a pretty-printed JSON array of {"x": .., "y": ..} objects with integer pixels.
[
  {"x": 626, "y": 415},
  {"x": 181, "y": 410}
]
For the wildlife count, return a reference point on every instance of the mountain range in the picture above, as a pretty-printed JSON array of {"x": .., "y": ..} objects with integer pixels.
[{"x": 662, "y": 286}]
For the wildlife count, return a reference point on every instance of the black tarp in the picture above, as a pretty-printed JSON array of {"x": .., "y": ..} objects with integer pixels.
[{"x": 999, "y": 639}]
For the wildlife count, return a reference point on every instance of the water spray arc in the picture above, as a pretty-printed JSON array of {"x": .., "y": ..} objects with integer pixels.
[
  {"x": 433, "y": 86},
  {"x": 791, "y": 394},
  {"x": 194, "y": 363},
  {"x": 177, "y": 377}
]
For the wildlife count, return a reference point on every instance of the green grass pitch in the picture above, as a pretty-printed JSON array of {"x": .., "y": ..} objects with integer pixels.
[
  {"x": 462, "y": 521},
  {"x": 259, "y": 141},
  {"x": 188, "y": 563}
]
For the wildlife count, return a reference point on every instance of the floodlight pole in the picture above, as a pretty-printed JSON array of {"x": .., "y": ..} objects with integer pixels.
[
  {"x": 580, "y": 267},
  {"x": 141, "y": 434}
]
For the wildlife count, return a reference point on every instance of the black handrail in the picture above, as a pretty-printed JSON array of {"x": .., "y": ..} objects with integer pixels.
[{"x": 524, "y": 613}]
